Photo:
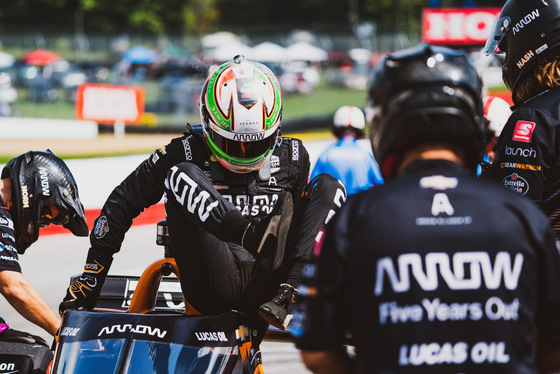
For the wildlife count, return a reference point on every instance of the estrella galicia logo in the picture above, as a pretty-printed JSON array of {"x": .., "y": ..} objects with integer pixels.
[
  {"x": 101, "y": 227},
  {"x": 516, "y": 183}
]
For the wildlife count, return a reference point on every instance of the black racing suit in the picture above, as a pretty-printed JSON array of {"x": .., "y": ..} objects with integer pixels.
[
  {"x": 9, "y": 259},
  {"x": 217, "y": 274},
  {"x": 528, "y": 153},
  {"x": 434, "y": 272}
]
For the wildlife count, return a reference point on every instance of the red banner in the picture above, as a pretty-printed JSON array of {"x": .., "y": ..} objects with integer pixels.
[
  {"x": 150, "y": 216},
  {"x": 458, "y": 26},
  {"x": 105, "y": 103}
]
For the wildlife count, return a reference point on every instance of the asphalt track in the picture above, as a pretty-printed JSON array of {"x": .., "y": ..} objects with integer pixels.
[{"x": 54, "y": 258}]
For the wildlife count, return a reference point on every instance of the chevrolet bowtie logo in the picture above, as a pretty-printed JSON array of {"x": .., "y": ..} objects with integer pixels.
[{"x": 241, "y": 333}]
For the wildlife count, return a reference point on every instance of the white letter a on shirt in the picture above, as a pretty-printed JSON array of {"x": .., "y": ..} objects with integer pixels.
[{"x": 441, "y": 204}]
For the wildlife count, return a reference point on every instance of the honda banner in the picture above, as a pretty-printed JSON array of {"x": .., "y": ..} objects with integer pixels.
[
  {"x": 106, "y": 103},
  {"x": 458, "y": 26}
]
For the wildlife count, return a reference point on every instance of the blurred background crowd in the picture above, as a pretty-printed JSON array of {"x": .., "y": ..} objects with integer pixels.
[{"x": 321, "y": 53}]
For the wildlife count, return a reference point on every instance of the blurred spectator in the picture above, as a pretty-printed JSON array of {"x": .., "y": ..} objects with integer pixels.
[
  {"x": 5, "y": 109},
  {"x": 8, "y": 94},
  {"x": 346, "y": 160},
  {"x": 496, "y": 112},
  {"x": 299, "y": 77}
]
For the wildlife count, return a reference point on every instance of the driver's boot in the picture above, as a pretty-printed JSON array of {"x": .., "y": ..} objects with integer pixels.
[{"x": 277, "y": 311}]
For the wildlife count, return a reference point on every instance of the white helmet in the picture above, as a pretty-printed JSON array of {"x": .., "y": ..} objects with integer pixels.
[
  {"x": 497, "y": 112},
  {"x": 241, "y": 111},
  {"x": 349, "y": 116}
]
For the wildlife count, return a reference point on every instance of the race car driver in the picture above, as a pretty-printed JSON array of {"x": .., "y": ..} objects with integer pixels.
[
  {"x": 528, "y": 151},
  {"x": 241, "y": 215},
  {"x": 36, "y": 189},
  {"x": 436, "y": 270}
]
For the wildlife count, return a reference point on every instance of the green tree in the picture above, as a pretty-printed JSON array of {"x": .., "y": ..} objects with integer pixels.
[
  {"x": 200, "y": 16},
  {"x": 96, "y": 15}
]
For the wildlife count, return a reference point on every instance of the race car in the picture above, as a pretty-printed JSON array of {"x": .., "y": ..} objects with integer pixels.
[{"x": 144, "y": 325}]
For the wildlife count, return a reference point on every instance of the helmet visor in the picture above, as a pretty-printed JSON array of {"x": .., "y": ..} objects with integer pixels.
[
  {"x": 53, "y": 214},
  {"x": 243, "y": 152},
  {"x": 501, "y": 27},
  {"x": 64, "y": 208}
]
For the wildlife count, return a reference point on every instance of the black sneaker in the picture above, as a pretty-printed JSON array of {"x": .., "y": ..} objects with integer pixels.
[
  {"x": 277, "y": 311},
  {"x": 276, "y": 224}
]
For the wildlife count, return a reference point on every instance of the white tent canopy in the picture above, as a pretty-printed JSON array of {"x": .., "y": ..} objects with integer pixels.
[
  {"x": 228, "y": 51},
  {"x": 6, "y": 60},
  {"x": 360, "y": 55},
  {"x": 303, "y": 51},
  {"x": 218, "y": 39},
  {"x": 268, "y": 52}
]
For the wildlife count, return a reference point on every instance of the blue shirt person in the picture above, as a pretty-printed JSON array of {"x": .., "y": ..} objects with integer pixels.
[{"x": 346, "y": 159}]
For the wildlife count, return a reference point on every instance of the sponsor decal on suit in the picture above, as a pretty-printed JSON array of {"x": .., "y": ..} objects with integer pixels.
[
  {"x": 101, "y": 227},
  {"x": 523, "y": 131},
  {"x": 517, "y": 183}
]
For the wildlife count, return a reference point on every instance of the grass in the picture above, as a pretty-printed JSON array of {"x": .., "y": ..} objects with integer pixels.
[
  {"x": 322, "y": 102},
  {"x": 6, "y": 159},
  {"x": 325, "y": 100}
]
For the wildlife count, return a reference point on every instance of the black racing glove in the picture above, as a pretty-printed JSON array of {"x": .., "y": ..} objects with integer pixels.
[
  {"x": 84, "y": 292},
  {"x": 15, "y": 336}
]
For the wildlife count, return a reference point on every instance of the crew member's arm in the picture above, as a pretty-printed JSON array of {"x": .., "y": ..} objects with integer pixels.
[
  {"x": 27, "y": 301},
  {"x": 320, "y": 321},
  {"x": 139, "y": 190},
  {"x": 547, "y": 323},
  {"x": 547, "y": 360},
  {"x": 327, "y": 362}
]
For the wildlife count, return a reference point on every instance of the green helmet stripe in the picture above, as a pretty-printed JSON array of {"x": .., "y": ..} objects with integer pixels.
[
  {"x": 272, "y": 118},
  {"x": 211, "y": 105}
]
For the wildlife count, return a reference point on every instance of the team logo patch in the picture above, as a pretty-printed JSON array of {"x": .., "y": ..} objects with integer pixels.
[
  {"x": 154, "y": 158},
  {"x": 187, "y": 148},
  {"x": 318, "y": 242},
  {"x": 274, "y": 164},
  {"x": 295, "y": 151},
  {"x": 4, "y": 222},
  {"x": 242, "y": 333},
  {"x": 438, "y": 182},
  {"x": 523, "y": 131},
  {"x": 93, "y": 267},
  {"x": 516, "y": 183},
  {"x": 101, "y": 228},
  {"x": 515, "y": 165}
]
